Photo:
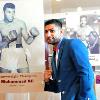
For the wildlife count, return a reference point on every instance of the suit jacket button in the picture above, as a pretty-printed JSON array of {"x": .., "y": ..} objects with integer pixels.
[{"x": 59, "y": 81}]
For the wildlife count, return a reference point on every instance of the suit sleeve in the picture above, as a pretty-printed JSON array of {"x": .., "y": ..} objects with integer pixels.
[
  {"x": 51, "y": 86},
  {"x": 79, "y": 55}
]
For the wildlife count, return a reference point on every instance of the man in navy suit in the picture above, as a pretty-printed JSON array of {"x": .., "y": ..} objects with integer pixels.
[{"x": 71, "y": 74}]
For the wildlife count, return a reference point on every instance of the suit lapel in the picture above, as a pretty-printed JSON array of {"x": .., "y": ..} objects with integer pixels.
[{"x": 60, "y": 53}]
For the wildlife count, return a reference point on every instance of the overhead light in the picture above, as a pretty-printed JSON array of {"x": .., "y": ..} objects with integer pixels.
[
  {"x": 79, "y": 9},
  {"x": 58, "y": 0}
]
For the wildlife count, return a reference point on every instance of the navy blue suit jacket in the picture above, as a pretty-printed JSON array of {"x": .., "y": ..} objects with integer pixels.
[{"x": 74, "y": 77}]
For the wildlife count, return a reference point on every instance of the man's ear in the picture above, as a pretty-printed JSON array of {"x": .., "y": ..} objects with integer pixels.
[{"x": 62, "y": 32}]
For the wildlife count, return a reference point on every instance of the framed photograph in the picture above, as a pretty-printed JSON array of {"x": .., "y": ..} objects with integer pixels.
[{"x": 21, "y": 46}]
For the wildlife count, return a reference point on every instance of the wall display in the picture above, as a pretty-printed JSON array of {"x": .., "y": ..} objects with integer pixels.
[
  {"x": 21, "y": 37},
  {"x": 98, "y": 79},
  {"x": 87, "y": 28}
]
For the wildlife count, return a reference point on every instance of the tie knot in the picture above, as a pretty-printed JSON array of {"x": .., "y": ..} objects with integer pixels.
[{"x": 55, "y": 49}]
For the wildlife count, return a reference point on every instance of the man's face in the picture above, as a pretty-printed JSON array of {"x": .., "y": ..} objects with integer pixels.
[
  {"x": 9, "y": 14},
  {"x": 52, "y": 34},
  {"x": 83, "y": 21}
]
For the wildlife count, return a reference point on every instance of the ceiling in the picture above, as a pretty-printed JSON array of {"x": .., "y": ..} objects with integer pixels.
[{"x": 52, "y": 6}]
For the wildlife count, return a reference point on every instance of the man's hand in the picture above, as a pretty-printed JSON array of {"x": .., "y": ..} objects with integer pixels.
[
  {"x": 34, "y": 32},
  {"x": 5, "y": 42},
  {"x": 47, "y": 74},
  {"x": 12, "y": 36}
]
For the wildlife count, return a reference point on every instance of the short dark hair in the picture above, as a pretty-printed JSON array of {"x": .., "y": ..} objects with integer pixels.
[
  {"x": 82, "y": 16},
  {"x": 8, "y": 5},
  {"x": 54, "y": 21}
]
